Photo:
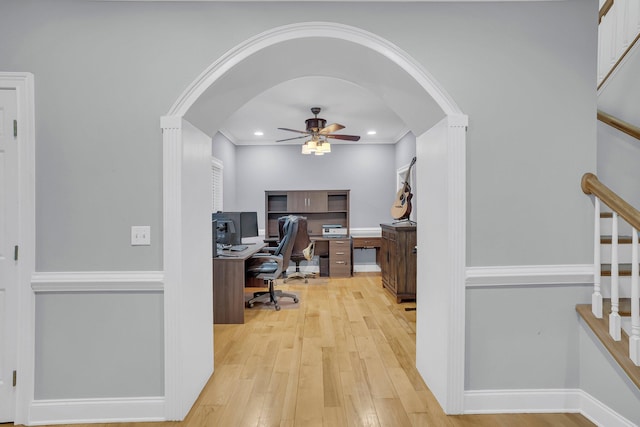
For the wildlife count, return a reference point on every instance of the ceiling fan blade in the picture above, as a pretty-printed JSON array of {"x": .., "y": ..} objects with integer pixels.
[
  {"x": 289, "y": 139},
  {"x": 334, "y": 127},
  {"x": 298, "y": 131},
  {"x": 343, "y": 137}
]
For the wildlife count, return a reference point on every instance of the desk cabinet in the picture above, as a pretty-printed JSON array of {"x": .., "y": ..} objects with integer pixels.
[
  {"x": 340, "y": 257},
  {"x": 307, "y": 201},
  {"x": 319, "y": 206},
  {"x": 398, "y": 260}
]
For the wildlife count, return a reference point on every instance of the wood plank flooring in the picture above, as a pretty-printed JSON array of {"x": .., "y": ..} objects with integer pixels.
[{"x": 344, "y": 357}]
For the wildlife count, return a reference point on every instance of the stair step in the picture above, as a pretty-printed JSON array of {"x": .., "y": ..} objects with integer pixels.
[
  {"x": 623, "y": 240},
  {"x": 623, "y": 269},
  {"x": 618, "y": 349}
]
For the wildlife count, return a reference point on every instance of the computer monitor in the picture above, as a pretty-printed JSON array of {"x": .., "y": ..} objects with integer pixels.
[
  {"x": 248, "y": 224},
  {"x": 233, "y": 226}
]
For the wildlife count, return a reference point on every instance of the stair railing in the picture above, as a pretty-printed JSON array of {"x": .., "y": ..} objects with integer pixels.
[
  {"x": 620, "y": 209},
  {"x": 618, "y": 32}
]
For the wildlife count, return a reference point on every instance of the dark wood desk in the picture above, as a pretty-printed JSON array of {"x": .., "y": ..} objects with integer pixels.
[{"x": 229, "y": 271}]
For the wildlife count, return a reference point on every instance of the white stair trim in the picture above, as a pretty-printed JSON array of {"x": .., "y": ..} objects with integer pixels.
[
  {"x": 543, "y": 401},
  {"x": 581, "y": 274}
]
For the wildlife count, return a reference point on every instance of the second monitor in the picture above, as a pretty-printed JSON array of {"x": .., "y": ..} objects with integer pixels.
[{"x": 232, "y": 227}]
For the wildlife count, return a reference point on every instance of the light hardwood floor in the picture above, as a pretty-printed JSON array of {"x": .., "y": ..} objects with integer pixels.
[{"x": 344, "y": 357}]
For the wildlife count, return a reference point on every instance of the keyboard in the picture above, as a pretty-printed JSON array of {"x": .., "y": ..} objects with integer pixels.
[{"x": 238, "y": 248}]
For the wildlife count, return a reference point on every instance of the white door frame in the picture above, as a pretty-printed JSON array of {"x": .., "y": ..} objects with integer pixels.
[
  {"x": 23, "y": 84},
  {"x": 455, "y": 255}
]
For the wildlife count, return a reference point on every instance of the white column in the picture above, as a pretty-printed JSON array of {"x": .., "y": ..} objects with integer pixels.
[
  {"x": 614, "y": 316},
  {"x": 634, "y": 339},
  {"x": 596, "y": 297}
]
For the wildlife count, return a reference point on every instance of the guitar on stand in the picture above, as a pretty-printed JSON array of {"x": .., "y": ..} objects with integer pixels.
[{"x": 401, "y": 208}]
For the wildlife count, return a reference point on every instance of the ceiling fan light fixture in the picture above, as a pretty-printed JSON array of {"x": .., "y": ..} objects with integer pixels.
[{"x": 323, "y": 148}]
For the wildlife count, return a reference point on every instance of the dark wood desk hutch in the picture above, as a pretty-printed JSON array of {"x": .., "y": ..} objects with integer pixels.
[
  {"x": 320, "y": 207},
  {"x": 398, "y": 260}
]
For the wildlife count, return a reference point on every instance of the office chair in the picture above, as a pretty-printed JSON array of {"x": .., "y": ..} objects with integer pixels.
[
  {"x": 303, "y": 249},
  {"x": 270, "y": 265}
]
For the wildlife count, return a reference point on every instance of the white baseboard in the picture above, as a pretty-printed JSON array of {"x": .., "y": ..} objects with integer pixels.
[
  {"x": 75, "y": 411},
  {"x": 366, "y": 268},
  {"x": 542, "y": 401}
]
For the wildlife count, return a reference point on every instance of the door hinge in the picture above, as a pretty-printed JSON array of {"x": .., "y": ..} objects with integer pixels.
[
  {"x": 15, "y": 253},
  {"x": 15, "y": 128},
  {"x": 15, "y": 378}
]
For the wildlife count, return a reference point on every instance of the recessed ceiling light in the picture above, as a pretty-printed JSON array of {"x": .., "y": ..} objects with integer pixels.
[
  {"x": 371, "y": 132},
  {"x": 258, "y": 133}
]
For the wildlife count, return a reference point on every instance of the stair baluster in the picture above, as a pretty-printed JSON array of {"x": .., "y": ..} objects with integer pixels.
[
  {"x": 634, "y": 339},
  {"x": 596, "y": 297},
  {"x": 615, "y": 324}
]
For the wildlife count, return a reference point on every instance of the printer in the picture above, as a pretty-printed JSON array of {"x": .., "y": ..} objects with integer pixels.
[{"x": 333, "y": 230}]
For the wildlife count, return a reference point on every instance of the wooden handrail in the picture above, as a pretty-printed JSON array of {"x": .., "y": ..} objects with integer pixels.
[
  {"x": 621, "y": 125},
  {"x": 591, "y": 185},
  {"x": 631, "y": 45},
  {"x": 604, "y": 9}
]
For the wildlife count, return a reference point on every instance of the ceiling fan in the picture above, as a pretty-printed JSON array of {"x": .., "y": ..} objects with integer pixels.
[{"x": 318, "y": 130}]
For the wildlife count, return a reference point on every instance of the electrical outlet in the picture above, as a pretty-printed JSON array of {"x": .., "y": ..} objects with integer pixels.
[{"x": 140, "y": 235}]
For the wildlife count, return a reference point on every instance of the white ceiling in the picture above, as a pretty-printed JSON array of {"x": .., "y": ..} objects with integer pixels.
[
  {"x": 277, "y": 86},
  {"x": 288, "y": 105}
]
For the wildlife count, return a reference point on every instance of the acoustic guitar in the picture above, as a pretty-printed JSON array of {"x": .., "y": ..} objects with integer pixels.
[{"x": 401, "y": 208}]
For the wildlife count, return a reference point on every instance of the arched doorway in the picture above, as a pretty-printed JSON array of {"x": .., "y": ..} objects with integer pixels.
[{"x": 442, "y": 364}]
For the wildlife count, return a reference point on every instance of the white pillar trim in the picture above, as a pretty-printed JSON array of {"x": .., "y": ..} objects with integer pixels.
[
  {"x": 457, "y": 257},
  {"x": 172, "y": 259}
]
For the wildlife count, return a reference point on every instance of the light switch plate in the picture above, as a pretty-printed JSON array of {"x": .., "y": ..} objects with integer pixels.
[{"x": 140, "y": 235}]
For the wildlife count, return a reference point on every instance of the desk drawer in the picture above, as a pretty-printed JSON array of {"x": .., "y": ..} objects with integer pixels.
[
  {"x": 340, "y": 269},
  {"x": 340, "y": 258},
  {"x": 366, "y": 242}
]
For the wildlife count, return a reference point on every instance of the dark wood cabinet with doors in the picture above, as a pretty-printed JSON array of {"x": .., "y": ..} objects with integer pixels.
[
  {"x": 398, "y": 260},
  {"x": 319, "y": 206}
]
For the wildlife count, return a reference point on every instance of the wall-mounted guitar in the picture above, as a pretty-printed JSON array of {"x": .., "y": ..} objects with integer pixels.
[{"x": 401, "y": 208}]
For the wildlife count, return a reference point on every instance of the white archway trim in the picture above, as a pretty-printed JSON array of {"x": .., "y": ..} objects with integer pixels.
[
  {"x": 313, "y": 29},
  {"x": 23, "y": 84},
  {"x": 452, "y": 396}
]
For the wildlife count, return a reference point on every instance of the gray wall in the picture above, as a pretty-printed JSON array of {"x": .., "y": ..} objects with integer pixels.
[
  {"x": 78, "y": 354},
  {"x": 523, "y": 337},
  {"x": 366, "y": 170},
  {"x": 106, "y": 71}
]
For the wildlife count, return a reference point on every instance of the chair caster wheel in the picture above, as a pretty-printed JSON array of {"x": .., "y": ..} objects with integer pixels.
[
  {"x": 306, "y": 281},
  {"x": 250, "y": 305},
  {"x": 296, "y": 300},
  {"x": 277, "y": 308}
]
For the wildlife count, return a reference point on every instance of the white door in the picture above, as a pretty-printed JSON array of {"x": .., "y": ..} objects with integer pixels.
[{"x": 8, "y": 252}]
